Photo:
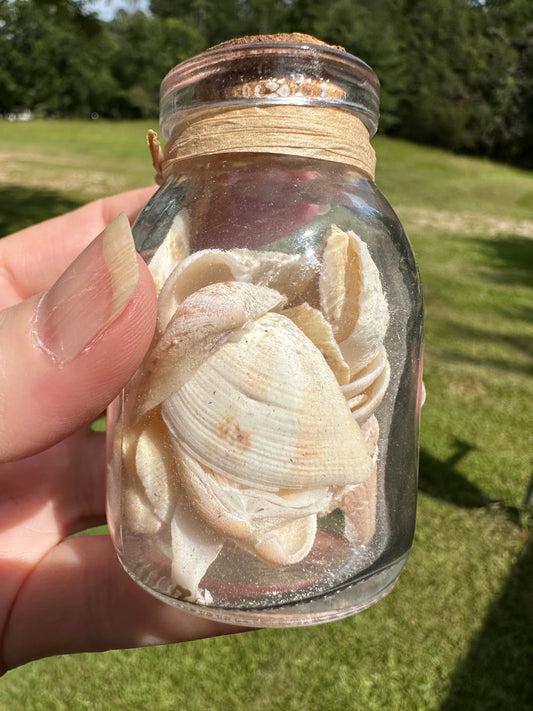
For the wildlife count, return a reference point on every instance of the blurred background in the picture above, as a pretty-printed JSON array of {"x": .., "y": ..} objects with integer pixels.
[
  {"x": 79, "y": 88},
  {"x": 454, "y": 73}
]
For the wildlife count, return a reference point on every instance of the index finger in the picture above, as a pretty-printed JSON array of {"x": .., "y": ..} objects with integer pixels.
[{"x": 32, "y": 259}]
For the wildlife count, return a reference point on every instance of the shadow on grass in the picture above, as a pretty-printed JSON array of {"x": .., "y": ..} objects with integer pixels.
[
  {"x": 440, "y": 479},
  {"x": 24, "y": 206},
  {"x": 496, "y": 675},
  {"x": 512, "y": 259},
  {"x": 520, "y": 345}
]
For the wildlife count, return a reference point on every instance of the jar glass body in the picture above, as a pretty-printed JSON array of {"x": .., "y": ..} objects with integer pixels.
[{"x": 206, "y": 510}]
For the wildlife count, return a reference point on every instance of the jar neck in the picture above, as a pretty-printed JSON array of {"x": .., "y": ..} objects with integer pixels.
[
  {"x": 317, "y": 132},
  {"x": 270, "y": 73}
]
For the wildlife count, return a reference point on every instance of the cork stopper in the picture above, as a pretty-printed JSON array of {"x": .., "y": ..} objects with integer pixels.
[{"x": 295, "y": 37}]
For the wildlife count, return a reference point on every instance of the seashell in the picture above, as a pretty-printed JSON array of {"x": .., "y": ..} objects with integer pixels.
[
  {"x": 319, "y": 331},
  {"x": 291, "y": 274},
  {"x": 351, "y": 297},
  {"x": 359, "y": 502},
  {"x": 365, "y": 392},
  {"x": 267, "y": 412},
  {"x": 194, "y": 548},
  {"x": 364, "y": 378},
  {"x": 171, "y": 251},
  {"x": 155, "y": 467},
  {"x": 201, "y": 324},
  {"x": 365, "y": 404},
  {"x": 138, "y": 513},
  {"x": 193, "y": 273},
  {"x": 244, "y": 512},
  {"x": 288, "y": 544}
]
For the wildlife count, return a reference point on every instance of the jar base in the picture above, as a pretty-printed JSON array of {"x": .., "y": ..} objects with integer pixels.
[{"x": 328, "y": 607}]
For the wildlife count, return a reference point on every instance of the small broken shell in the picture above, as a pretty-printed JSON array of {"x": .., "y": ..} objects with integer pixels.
[
  {"x": 359, "y": 502},
  {"x": 368, "y": 387},
  {"x": 194, "y": 548},
  {"x": 291, "y": 274}
]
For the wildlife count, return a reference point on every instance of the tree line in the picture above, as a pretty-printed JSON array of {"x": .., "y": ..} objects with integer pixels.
[{"x": 454, "y": 73}]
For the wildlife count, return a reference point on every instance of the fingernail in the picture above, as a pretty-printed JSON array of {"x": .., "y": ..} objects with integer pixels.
[{"x": 90, "y": 294}]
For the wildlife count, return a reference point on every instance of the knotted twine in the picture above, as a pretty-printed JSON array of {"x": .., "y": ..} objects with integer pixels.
[{"x": 319, "y": 132}]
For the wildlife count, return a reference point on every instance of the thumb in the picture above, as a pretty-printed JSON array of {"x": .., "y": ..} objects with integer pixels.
[{"x": 68, "y": 352}]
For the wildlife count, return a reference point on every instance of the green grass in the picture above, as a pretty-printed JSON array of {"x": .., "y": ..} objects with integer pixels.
[{"x": 457, "y": 633}]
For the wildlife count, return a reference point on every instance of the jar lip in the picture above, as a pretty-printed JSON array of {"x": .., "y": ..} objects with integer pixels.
[{"x": 270, "y": 73}]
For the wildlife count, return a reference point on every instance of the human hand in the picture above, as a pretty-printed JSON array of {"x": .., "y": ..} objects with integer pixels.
[{"x": 73, "y": 329}]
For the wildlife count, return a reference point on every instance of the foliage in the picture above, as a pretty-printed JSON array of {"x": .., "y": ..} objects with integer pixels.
[{"x": 454, "y": 73}]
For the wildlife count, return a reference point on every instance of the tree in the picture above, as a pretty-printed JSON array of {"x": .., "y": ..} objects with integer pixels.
[
  {"x": 146, "y": 49},
  {"x": 53, "y": 58}
]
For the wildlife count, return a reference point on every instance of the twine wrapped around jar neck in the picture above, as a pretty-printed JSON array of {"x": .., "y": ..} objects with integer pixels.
[{"x": 311, "y": 132}]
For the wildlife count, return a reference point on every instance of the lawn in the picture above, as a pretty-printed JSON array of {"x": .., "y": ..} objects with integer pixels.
[{"x": 457, "y": 632}]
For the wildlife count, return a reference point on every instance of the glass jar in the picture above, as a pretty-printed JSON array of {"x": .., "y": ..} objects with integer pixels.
[{"x": 263, "y": 459}]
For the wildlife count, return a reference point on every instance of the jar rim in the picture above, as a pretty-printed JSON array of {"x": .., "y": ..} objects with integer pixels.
[{"x": 270, "y": 73}]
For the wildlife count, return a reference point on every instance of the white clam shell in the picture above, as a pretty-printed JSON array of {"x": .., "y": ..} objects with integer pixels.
[
  {"x": 359, "y": 502},
  {"x": 266, "y": 411},
  {"x": 194, "y": 548},
  {"x": 155, "y": 466},
  {"x": 290, "y": 543},
  {"x": 351, "y": 297}
]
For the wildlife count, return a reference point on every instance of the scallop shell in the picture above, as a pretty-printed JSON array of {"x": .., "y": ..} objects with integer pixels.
[
  {"x": 266, "y": 411},
  {"x": 171, "y": 251},
  {"x": 351, "y": 297},
  {"x": 201, "y": 324}
]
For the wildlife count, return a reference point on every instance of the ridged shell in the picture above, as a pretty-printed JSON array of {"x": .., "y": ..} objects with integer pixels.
[
  {"x": 171, "y": 251},
  {"x": 351, "y": 297},
  {"x": 267, "y": 412},
  {"x": 201, "y": 324},
  {"x": 193, "y": 273}
]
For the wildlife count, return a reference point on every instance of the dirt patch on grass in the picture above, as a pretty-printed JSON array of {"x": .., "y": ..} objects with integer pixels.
[{"x": 464, "y": 222}]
